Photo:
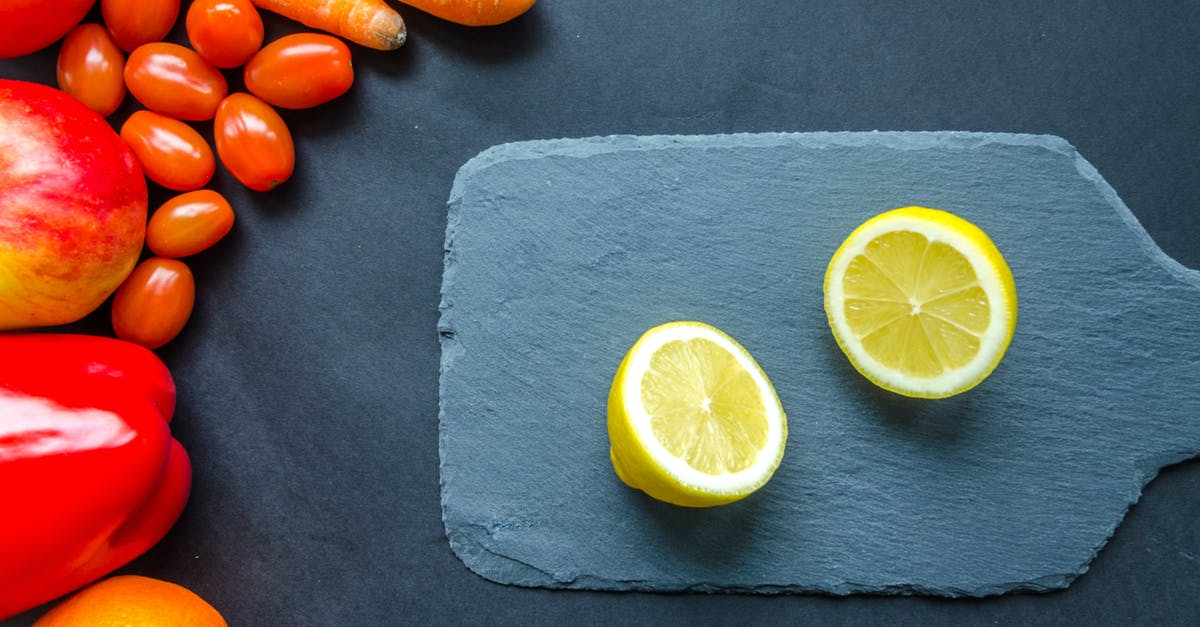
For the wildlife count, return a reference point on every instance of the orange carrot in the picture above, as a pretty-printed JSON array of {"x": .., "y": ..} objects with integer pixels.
[
  {"x": 473, "y": 12},
  {"x": 371, "y": 23}
]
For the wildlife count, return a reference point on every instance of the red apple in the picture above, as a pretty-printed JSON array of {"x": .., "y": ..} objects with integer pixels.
[{"x": 72, "y": 207}]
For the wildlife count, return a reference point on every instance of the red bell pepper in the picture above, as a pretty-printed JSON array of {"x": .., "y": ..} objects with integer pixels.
[{"x": 90, "y": 477}]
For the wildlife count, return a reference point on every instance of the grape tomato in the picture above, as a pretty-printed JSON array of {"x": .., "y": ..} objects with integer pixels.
[
  {"x": 226, "y": 33},
  {"x": 136, "y": 22},
  {"x": 91, "y": 68},
  {"x": 189, "y": 223},
  {"x": 300, "y": 71},
  {"x": 154, "y": 302},
  {"x": 253, "y": 142},
  {"x": 175, "y": 81},
  {"x": 172, "y": 153}
]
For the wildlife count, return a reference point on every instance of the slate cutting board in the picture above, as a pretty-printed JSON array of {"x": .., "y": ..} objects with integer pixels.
[{"x": 559, "y": 254}]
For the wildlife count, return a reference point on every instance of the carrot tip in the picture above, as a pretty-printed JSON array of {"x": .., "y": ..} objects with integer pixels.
[
  {"x": 399, "y": 40},
  {"x": 393, "y": 33}
]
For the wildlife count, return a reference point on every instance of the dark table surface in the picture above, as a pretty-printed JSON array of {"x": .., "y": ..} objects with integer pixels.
[{"x": 308, "y": 373}]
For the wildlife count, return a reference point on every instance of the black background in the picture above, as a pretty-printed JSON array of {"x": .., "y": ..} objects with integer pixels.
[{"x": 307, "y": 375}]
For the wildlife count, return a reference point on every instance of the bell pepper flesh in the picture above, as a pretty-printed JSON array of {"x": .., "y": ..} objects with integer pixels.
[{"x": 90, "y": 477}]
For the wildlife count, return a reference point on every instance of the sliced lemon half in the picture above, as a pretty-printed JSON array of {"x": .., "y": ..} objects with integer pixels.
[
  {"x": 921, "y": 302},
  {"x": 692, "y": 418}
]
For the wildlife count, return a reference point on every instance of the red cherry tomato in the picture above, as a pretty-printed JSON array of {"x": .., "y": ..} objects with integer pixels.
[
  {"x": 90, "y": 67},
  {"x": 225, "y": 32},
  {"x": 174, "y": 81},
  {"x": 189, "y": 223},
  {"x": 29, "y": 25},
  {"x": 137, "y": 22},
  {"x": 172, "y": 153},
  {"x": 253, "y": 142},
  {"x": 154, "y": 303},
  {"x": 300, "y": 71}
]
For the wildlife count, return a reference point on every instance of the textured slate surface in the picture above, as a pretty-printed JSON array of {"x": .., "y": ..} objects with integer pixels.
[{"x": 560, "y": 253}]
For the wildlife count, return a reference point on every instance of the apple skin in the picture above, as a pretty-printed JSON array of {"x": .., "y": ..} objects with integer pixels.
[{"x": 73, "y": 205}]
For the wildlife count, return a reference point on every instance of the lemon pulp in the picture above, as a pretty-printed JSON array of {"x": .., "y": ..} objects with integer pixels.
[
  {"x": 692, "y": 418},
  {"x": 921, "y": 302},
  {"x": 704, "y": 407}
]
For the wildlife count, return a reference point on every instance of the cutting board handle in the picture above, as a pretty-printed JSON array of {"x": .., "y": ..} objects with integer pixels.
[{"x": 1165, "y": 344}]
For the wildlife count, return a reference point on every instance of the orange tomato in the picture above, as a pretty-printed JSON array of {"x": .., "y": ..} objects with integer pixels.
[
  {"x": 29, "y": 25},
  {"x": 174, "y": 81},
  {"x": 253, "y": 142},
  {"x": 189, "y": 223},
  {"x": 137, "y": 22},
  {"x": 154, "y": 303},
  {"x": 300, "y": 71},
  {"x": 172, "y": 153},
  {"x": 226, "y": 33},
  {"x": 90, "y": 67}
]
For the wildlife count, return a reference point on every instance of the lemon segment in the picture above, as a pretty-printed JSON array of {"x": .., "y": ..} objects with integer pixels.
[
  {"x": 692, "y": 418},
  {"x": 921, "y": 302}
]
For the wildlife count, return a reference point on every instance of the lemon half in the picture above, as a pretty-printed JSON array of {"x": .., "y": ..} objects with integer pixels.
[
  {"x": 692, "y": 418},
  {"x": 921, "y": 302}
]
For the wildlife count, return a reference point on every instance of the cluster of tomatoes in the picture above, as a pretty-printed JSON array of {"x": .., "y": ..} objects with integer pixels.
[{"x": 179, "y": 87}]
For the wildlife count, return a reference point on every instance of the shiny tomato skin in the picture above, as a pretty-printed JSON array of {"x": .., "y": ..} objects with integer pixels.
[
  {"x": 226, "y": 33},
  {"x": 90, "y": 67},
  {"x": 189, "y": 223},
  {"x": 174, "y": 81},
  {"x": 136, "y": 22},
  {"x": 154, "y": 303},
  {"x": 172, "y": 153},
  {"x": 300, "y": 71},
  {"x": 253, "y": 142},
  {"x": 27, "y": 26}
]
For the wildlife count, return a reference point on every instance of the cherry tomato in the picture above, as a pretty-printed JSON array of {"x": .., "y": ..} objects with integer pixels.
[
  {"x": 154, "y": 303},
  {"x": 172, "y": 153},
  {"x": 137, "y": 22},
  {"x": 90, "y": 68},
  {"x": 189, "y": 223},
  {"x": 174, "y": 81},
  {"x": 300, "y": 71},
  {"x": 29, "y": 25},
  {"x": 225, "y": 32},
  {"x": 253, "y": 142}
]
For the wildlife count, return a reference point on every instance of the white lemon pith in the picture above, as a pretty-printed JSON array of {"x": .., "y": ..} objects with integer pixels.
[
  {"x": 692, "y": 418},
  {"x": 921, "y": 302}
]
